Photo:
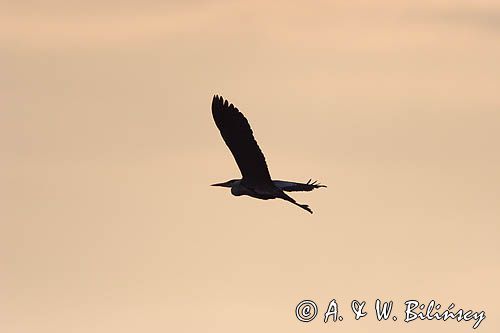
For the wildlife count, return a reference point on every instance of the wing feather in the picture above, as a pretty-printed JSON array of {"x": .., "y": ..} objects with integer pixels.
[{"x": 238, "y": 136}]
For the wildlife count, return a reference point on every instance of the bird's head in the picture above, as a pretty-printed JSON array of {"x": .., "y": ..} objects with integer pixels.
[{"x": 229, "y": 183}]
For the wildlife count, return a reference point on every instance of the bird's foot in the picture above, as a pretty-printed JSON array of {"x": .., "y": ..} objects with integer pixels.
[{"x": 315, "y": 183}]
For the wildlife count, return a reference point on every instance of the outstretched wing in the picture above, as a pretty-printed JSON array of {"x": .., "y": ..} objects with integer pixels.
[
  {"x": 238, "y": 136},
  {"x": 295, "y": 187}
]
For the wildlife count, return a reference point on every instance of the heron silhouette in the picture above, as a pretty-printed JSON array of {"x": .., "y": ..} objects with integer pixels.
[{"x": 256, "y": 181}]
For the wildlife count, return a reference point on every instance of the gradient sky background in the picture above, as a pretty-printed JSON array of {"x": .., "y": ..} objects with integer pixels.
[{"x": 107, "y": 222}]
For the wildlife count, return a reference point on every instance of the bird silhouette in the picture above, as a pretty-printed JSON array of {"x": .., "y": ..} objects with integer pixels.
[{"x": 256, "y": 181}]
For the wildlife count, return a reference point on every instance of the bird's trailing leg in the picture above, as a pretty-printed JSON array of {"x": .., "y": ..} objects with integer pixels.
[
  {"x": 294, "y": 187},
  {"x": 292, "y": 200}
]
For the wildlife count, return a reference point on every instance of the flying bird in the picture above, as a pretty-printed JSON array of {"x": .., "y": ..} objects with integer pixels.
[{"x": 256, "y": 180}]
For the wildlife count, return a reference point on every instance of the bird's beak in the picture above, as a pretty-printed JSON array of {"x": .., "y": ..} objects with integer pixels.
[{"x": 218, "y": 184}]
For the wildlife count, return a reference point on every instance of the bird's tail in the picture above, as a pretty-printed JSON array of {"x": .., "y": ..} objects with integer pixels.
[{"x": 286, "y": 197}]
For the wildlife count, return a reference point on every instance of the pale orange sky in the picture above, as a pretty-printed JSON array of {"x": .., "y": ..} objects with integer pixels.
[{"x": 107, "y": 222}]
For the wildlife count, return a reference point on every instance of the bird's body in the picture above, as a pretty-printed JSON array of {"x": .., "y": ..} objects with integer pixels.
[
  {"x": 260, "y": 192},
  {"x": 256, "y": 181}
]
